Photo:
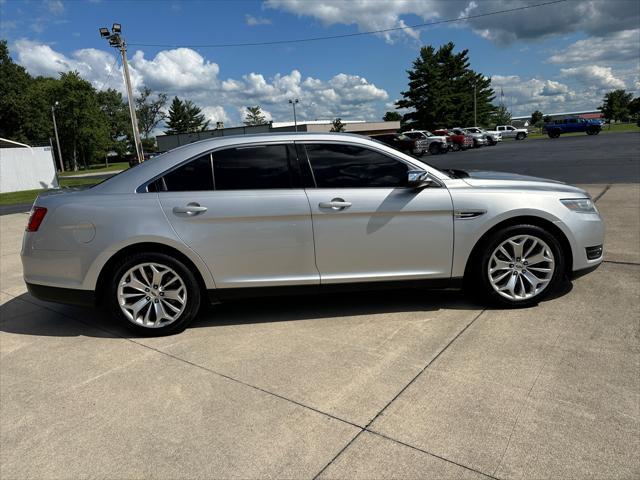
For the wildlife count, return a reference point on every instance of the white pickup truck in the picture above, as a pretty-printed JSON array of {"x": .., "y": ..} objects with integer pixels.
[{"x": 508, "y": 131}]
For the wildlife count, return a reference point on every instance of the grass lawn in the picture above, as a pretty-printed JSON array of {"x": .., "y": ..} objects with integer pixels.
[
  {"x": 28, "y": 196},
  {"x": 615, "y": 128},
  {"x": 97, "y": 169}
]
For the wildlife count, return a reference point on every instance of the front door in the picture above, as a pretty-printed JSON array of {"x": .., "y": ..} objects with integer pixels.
[
  {"x": 368, "y": 225},
  {"x": 244, "y": 212}
]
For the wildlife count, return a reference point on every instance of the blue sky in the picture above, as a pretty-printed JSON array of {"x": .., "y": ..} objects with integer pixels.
[{"x": 559, "y": 57}]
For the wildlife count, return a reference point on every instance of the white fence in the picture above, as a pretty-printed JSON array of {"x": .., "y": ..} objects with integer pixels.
[{"x": 26, "y": 169}]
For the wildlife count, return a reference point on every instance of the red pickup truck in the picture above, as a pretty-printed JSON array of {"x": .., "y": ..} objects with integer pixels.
[{"x": 456, "y": 141}]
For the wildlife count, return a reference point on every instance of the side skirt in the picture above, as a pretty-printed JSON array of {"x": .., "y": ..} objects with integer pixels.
[{"x": 224, "y": 294}]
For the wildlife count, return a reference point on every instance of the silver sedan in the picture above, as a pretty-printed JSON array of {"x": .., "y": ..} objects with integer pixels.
[{"x": 246, "y": 216}]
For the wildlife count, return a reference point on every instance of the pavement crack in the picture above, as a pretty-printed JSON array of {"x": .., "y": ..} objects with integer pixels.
[
  {"x": 618, "y": 262},
  {"x": 601, "y": 194},
  {"x": 402, "y": 390}
]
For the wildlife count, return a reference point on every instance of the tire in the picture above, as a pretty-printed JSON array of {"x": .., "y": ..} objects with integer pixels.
[
  {"x": 492, "y": 270},
  {"x": 520, "y": 136},
  {"x": 434, "y": 149},
  {"x": 455, "y": 147},
  {"x": 476, "y": 144},
  {"x": 491, "y": 142},
  {"x": 160, "y": 314}
]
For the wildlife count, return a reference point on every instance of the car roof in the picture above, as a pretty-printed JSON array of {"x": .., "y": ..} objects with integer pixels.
[{"x": 129, "y": 180}]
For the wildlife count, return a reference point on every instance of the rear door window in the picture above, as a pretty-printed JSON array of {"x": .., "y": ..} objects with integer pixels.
[
  {"x": 256, "y": 167},
  {"x": 193, "y": 176}
]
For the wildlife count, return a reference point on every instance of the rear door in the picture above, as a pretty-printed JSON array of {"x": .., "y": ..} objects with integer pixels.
[
  {"x": 243, "y": 210},
  {"x": 368, "y": 225}
]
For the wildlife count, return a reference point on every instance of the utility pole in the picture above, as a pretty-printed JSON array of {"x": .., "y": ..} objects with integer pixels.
[
  {"x": 295, "y": 120},
  {"x": 475, "y": 116},
  {"x": 116, "y": 41},
  {"x": 55, "y": 129}
]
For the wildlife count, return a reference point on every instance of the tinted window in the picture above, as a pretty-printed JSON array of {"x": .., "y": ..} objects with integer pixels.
[
  {"x": 346, "y": 166},
  {"x": 414, "y": 135},
  {"x": 252, "y": 168},
  {"x": 193, "y": 176}
]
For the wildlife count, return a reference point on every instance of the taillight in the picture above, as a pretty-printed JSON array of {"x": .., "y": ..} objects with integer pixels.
[{"x": 35, "y": 219}]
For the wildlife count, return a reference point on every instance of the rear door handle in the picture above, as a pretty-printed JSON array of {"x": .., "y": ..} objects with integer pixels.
[
  {"x": 335, "y": 204},
  {"x": 191, "y": 209}
]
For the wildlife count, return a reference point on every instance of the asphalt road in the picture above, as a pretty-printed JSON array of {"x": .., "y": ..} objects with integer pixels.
[{"x": 605, "y": 158}]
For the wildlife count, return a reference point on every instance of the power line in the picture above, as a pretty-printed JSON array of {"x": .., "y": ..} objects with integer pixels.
[{"x": 348, "y": 35}]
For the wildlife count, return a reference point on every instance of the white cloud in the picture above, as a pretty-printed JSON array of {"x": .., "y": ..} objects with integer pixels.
[
  {"x": 593, "y": 76},
  {"x": 255, "y": 21},
  {"x": 524, "y": 95},
  {"x": 55, "y": 6},
  {"x": 617, "y": 47},
  {"x": 181, "y": 69},
  {"x": 187, "y": 74},
  {"x": 596, "y": 17}
]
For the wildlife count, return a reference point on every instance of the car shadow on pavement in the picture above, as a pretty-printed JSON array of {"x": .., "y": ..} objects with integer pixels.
[{"x": 69, "y": 321}]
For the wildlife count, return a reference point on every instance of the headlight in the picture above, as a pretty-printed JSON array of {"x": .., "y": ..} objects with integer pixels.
[{"x": 579, "y": 205}]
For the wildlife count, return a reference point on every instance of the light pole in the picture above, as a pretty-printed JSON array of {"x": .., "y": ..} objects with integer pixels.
[
  {"x": 295, "y": 120},
  {"x": 475, "y": 116},
  {"x": 116, "y": 41},
  {"x": 55, "y": 129}
]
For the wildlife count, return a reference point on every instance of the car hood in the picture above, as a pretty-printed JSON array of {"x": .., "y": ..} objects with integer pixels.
[{"x": 506, "y": 180}]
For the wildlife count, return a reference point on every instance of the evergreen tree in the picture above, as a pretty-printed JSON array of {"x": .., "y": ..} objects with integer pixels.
[
  {"x": 441, "y": 91},
  {"x": 254, "y": 116},
  {"x": 185, "y": 117},
  {"x": 337, "y": 125}
]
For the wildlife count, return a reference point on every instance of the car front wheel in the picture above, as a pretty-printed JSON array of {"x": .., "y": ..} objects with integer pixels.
[
  {"x": 520, "y": 136},
  {"x": 519, "y": 266},
  {"x": 153, "y": 294}
]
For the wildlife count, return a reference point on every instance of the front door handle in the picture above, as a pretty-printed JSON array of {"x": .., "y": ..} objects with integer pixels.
[
  {"x": 191, "y": 209},
  {"x": 335, "y": 204}
]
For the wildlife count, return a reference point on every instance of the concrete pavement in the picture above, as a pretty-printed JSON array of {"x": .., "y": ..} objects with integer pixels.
[{"x": 397, "y": 385}]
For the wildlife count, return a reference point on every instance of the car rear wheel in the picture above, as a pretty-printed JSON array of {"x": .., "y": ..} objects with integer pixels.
[
  {"x": 519, "y": 266},
  {"x": 520, "y": 136},
  {"x": 455, "y": 147},
  {"x": 153, "y": 294}
]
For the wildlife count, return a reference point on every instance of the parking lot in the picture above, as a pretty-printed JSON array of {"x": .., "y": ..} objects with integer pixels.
[{"x": 400, "y": 384}]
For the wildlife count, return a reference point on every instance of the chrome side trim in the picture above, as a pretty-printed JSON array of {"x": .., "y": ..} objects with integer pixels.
[{"x": 467, "y": 214}]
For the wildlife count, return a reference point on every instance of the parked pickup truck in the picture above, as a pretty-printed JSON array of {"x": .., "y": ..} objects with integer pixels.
[
  {"x": 492, "y": 137},
  {"x": 508, "y": 131},
  {"x": 435, "y": 143},
  {"x": 403, "y": 143},
  {"x": 571, "y": 125},
  {"x": 456, "y": 141}
]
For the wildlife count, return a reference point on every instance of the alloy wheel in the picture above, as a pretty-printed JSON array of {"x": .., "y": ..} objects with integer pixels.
[
  {"x": 151, "y": 295},
  {"x": 521, "y": 267}
]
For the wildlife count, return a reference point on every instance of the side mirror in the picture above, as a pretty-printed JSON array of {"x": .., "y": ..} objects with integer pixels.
[{"x": 420, "y": 179}]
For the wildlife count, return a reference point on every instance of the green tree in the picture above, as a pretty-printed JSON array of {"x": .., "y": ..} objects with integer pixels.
[
  {"x": 254, "y": 116},
  {"x": 501, "y": 116},
  {"x": 150, "y": 111},
  {"x": 441, "y": 91},
  {"x": 536, "y": 117},
  {"x": 14, "y": 82},
  {"x": 118, "y": 122},
  {"x": 82, "y": 128},
  {"x": 185, "y": 117},
  {"x": 392, "y": 116},
  {"x": 337, "y": 125},
  {"x": 615, "y": 105}
]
